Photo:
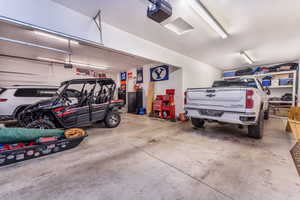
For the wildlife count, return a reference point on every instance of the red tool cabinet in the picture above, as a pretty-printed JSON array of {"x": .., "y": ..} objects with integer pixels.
[{"x": 164, "y": 105}]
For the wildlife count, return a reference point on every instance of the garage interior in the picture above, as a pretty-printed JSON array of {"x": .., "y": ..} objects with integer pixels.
[{"x": 190, "y": 122}]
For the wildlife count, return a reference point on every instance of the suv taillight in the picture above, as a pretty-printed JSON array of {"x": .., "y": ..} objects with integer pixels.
[
  {"x": 184, "y": 98},
  {"x": 3, "y": 100},
  {"x": 249, "y": 99}
]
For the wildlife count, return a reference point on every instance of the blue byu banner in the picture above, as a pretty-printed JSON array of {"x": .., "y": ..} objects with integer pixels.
[
  {"x": 160, "y": 73},
  {"x": 123, "y": 76}
]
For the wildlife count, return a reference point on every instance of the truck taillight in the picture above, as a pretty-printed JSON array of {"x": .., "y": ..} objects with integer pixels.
[
  {"x": 184, "y": 98},
  {"x": 3, "y": 100},
  {"x": 249, "y": 99}
]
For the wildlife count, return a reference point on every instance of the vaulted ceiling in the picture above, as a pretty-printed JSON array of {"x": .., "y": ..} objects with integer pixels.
[{"x": 267, "y": 29}]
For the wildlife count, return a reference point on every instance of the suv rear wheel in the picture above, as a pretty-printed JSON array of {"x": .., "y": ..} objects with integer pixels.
[
  {"x": 112, "y": 119},
  {"x": 41, "y": 124},
  {"x": 199, "y": 123},
  {"x": 257, "y": 131}
]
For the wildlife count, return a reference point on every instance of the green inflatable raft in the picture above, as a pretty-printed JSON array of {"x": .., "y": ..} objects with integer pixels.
[{"x": 15, "y": 135}]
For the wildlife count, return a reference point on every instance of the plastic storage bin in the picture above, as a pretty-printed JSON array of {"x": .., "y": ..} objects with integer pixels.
[
  {"x": 266, "y": 82},
  {"x": 286, "y": 81},
  {"x": 229, "y": 74}
]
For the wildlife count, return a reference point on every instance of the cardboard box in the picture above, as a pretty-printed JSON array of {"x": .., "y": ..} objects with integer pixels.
[
  {"x": 282, "y": 112},
  {"x": 279, "y": 76},
  {"x": 275, "y": 82}
]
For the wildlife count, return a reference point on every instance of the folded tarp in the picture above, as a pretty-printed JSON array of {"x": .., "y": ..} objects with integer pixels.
[{"x": 14, "y": 135}]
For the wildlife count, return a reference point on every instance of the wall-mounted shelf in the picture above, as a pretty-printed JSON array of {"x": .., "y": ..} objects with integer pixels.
[
  {"x": 276, "y": 89},
  {"x": 281, "y": 102},
  {"x": 262, "y": 75},
  {"x": 280, "y": 86}
]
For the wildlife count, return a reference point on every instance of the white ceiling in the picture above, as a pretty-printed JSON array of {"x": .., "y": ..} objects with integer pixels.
[
  {"x": 267, "y": 29},
  {"x": 116, "y": 61}
]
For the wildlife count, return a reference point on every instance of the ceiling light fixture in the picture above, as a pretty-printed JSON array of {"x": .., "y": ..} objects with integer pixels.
[
  {"x": 55, "y": 37},
  {"x": 88, "y": 65},
  {"x": 73, "y": 63},
  {"x": 247, "y": 57},
  {"x": 51, "y": 60},
  {"x": 208, "y": 17},
  {"x": 34, "y": 45}
]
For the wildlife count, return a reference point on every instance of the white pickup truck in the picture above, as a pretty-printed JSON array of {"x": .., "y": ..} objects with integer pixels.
[{"x": 242, "y": 101}]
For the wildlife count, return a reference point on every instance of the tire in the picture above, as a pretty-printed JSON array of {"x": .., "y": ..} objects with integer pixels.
[
  {"x": 112, "y": 119},
  {"x": 199, "y": 123},
  {"x": 266, "y": 114},
  {"x": 41, "y": 124},
  {"x": 18, "y": 111},
  {"x": 257, "y": 131}
]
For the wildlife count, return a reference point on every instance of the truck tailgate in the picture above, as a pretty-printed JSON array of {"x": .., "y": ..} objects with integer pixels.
[{"x": 226, "y": 99}]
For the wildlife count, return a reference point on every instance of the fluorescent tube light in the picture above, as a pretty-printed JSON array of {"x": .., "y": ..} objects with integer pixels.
[
  {"x": 247, "y": 57},
  {"x": 55, "y": 37},
  {"x": 73, "y": 63},
  {"x": 208, "y": 17},
  {"x": 88, "y": 65},
  {"x": 34, "y": 45},
  {"x": 50, "y": 60}
]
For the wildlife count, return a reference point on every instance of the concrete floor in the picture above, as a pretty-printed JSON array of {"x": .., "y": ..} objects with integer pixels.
[{"x": 152, "y": 159}]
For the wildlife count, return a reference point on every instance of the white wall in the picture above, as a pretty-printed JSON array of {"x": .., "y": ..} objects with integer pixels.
[
  {"x": 39, "y": 72},
  {"x": 175, "y": 82}
]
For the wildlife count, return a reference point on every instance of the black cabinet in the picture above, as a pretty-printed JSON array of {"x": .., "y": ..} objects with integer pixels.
[
  {"x": 135, "y": 101},
  {"x": 122, "y": 94}
]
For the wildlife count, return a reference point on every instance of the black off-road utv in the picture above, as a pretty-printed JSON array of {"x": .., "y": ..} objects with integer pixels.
[{"x": 77, "y": 103}]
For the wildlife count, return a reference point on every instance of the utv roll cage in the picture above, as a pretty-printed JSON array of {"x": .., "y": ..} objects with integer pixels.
[{"x": 106, "y": 84}]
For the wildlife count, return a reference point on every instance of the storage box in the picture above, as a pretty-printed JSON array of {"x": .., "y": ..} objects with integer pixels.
[
  {"x": 286, "y": 81},
  {"x": 279, "y": 76},
  {"x": 295, "y": 127},
  {"x": 266, "y": 82},
  {"x": 229, "y": 74},
  {"x": 285, "y": 68},
  {"x": 282, "y": 112},
  {"x": 275, "y": 82},
  {"x": 170, "y": 91}
]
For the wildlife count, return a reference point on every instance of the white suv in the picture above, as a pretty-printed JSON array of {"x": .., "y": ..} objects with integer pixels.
[{"x": 15, "y": 98}]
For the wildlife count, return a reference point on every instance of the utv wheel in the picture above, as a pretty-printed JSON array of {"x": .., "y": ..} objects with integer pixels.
[
  {"x": 257, "y": 131},
  {"x": 199, "y": 123},
  {"x": 23, "y": 120},
  {"x": 112, "y": 120},
  {"x": 41, "y": 124}
]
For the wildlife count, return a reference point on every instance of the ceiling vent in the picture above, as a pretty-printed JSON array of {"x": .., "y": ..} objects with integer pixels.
[{"x": 179, "y": 26}]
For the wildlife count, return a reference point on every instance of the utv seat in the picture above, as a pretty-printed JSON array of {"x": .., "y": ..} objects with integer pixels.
[{"x": 83, "y": 100}]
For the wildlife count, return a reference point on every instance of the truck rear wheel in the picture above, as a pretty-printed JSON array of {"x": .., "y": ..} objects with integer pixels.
[
  {"x": 257, "y": 131},
  {"x": 199, "y": 123}
]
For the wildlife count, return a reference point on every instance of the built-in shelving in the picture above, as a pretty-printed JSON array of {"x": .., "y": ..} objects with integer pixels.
[
  {"x": 262, "y": 75},
  {"x": 281, "y": 89},
  {"x": 280, "y": 86},
  {"x": 281, "y": 102}
]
